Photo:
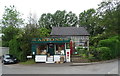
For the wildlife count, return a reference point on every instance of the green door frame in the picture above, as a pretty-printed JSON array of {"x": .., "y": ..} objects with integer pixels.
[{"x": 51, "y": 49}]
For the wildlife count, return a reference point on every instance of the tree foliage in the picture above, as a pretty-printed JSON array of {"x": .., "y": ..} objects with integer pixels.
[
  {"x": 44, "y": 32},
  {"x": 11, "y": 17},
  {"x": 90, "y": 20},
  {"x": 113, "y": 43},
  {"x": 110, "y": 16},
  {"x": 103, "y": 53},
  {"x": 9, "y": 33},
  {"x": 103, "y": 25},
  {"x": 11, "y": 21},
  {"x": 58, "y": 19}
]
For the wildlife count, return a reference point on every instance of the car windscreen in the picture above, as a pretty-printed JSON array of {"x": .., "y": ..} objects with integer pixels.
[{"x": 8, "y": 56}]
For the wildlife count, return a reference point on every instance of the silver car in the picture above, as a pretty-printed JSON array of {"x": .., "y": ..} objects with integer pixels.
[{"x": 7, "y": 58}]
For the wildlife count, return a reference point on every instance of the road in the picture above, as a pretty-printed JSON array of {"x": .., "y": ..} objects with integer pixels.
[
  {"x": 42, "y": 68},
  {"x": 0, "y": 68}
]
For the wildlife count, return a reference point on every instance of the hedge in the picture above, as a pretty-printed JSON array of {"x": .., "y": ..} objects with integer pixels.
[
  {"x": 104, "y": 53},
  {"x": 113, "y": 43}
]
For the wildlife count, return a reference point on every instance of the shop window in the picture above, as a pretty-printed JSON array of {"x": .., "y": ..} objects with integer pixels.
[
  {"x": 60, "y": 49},
  {"x": 41, "y": 50}
]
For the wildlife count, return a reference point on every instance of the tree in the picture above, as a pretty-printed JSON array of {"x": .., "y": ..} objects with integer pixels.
[
  {"x": 90, "y": 20},
  {"x": 44, "y": 32},
  {"x": 31, "y": 30},
  {"x": 11, "y": 21},
  {"x": 19, "y": 46},
  {"x": 32, "y": 21},
  {"x": 46, "y": 21},
  {"x": 8, "y": 34},
  {"x": 11, "y": 17},
  {"x": 58, "y": 19},
  {"x": 71, "y": 19},
  {"x": 110, "y": 16}
]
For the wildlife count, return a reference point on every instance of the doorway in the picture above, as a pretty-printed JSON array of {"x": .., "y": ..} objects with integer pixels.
[{"x": 51, "y": 49}]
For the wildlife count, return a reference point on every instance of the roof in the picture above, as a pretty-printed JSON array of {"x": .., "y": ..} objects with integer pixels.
[{"x": 69, "y": 31}]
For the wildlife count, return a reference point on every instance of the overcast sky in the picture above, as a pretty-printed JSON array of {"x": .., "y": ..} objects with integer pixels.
[{"x": 39, "y": 7}]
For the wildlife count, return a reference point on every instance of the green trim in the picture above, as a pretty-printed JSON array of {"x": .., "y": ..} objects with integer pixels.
[{"x": 50, "y": 40}]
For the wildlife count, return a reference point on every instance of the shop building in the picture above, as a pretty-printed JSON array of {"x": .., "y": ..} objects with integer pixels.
[
  {"x": 51, "y": 50},
  {"x": 59, "y": 46}
]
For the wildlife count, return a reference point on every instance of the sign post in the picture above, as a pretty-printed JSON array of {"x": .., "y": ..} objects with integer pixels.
[{"x": 67, "y": 55}]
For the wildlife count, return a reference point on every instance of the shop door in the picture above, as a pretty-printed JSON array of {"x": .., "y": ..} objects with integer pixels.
[{"x": 51, "y": 49}]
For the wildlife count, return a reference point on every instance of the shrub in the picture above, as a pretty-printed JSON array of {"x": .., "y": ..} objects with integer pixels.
[
  {"x": 113, "y": 43},
  {"x": 82, "y": 51},
  {"x": 22, "y": 57},
  {"x": 104, "y": 53},
  {"x": 14, "y": 47},
  {"x": 92, "y": 51},
  {"x": 17, "y": 50}
]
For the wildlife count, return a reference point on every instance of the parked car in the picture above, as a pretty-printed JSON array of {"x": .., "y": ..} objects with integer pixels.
[{"x": 7, "y": 58}]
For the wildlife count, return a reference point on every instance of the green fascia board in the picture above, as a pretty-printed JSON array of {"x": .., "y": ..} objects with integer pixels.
[{"x": 50, "y": 40}]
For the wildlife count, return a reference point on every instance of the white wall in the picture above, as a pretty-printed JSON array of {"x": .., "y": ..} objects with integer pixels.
[{"x": 4, "y": 50}]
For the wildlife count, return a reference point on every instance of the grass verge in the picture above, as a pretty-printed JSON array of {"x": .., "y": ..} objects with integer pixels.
[{"x": 31, "y": 61}]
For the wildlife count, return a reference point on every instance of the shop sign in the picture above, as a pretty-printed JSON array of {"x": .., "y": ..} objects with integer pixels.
[
  {"x": 67, "y": 55},
  {"x": 50, "y": 39}
]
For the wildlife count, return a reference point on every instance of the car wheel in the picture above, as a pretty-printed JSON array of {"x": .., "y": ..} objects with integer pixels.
[{"x": 3, "y": 62}]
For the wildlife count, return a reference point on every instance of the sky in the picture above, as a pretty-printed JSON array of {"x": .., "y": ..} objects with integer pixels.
[{"x": 38, "y": 7}]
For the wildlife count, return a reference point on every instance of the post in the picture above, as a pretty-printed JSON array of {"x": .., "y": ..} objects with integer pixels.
[
  {"x": 88, "y": 43},
  {"x": 65, "y": 46},
  {"x": 54, "y": 48}
]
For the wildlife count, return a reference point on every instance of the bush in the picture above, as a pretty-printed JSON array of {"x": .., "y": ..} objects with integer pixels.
[
  {"x": 104, "y": 53},
  {"x": 113, "y": 43},
  {"x": 14, "y": 47},
  {"x": 82, "y": 51},
  {"x": 22, "y": 57},
  {"x": 17, "y": 50},
  {"x": 93, "y": 51}
]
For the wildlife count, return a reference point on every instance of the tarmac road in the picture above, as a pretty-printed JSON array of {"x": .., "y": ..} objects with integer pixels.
[
  {"x": 43, "y": 68},
  {"x": 0, "y": 68}
]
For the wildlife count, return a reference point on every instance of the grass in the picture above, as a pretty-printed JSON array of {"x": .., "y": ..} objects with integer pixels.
[{"x": 31, "y": 61}]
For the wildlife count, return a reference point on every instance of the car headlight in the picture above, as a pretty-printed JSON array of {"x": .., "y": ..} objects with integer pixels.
[{"x": 6, "y": 60}]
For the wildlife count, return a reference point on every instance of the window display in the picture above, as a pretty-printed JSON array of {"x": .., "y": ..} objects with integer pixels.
[
  {"x": 41, "y": 50},
  {"x": 60, "y": 50}
]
